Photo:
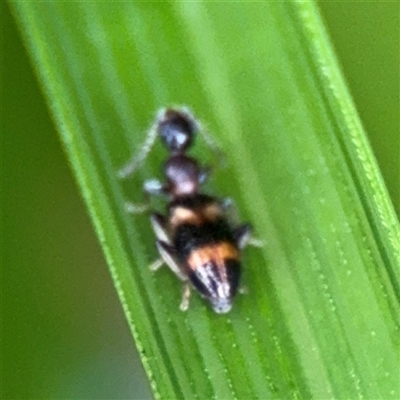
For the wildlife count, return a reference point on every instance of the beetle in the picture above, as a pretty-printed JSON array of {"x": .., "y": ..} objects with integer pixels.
[{"x": 195, "y": 237}]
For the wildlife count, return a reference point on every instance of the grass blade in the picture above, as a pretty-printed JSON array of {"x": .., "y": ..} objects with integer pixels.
[{"x": 322, "y": 316}]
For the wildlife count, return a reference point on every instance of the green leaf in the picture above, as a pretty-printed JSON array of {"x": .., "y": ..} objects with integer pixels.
[{"x": 321, "y": 319}]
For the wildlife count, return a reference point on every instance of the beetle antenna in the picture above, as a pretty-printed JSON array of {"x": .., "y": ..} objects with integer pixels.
[{"x": 137, "y": 160}]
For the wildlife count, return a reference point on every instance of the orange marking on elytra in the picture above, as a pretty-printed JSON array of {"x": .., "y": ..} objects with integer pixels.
[
  {"x": 216, "y": 253},
  {"x": 184, "y": 215}
]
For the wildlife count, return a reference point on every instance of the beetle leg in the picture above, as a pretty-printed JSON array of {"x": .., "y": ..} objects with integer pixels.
[
  {"x": 205, "y": 173},
  {"x": 167, "y": 253},
  {"x": 243, "y": 235},
  {"x": 133, "y": 208},
  {"x": 150, "y": 187},
  {"x": 186, "y": 292},
  {"x": 243, "y": 290},
  {"x": 157, "y": 264},
  {"x": 159, "y": 224},
  {"x": 231, "y": 211},
  {"x": 255, "y": 242},
  {"x": 155, "y": 187}
]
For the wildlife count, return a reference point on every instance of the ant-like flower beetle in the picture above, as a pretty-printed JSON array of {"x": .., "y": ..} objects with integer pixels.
[{"x": 195, "y": 238}]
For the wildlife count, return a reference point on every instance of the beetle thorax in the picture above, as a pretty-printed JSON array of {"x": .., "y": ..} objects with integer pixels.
[{"x": 183, "y": 175}]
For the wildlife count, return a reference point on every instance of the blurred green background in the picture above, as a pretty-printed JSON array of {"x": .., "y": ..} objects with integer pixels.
[{"x": 63, "y": 330}]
